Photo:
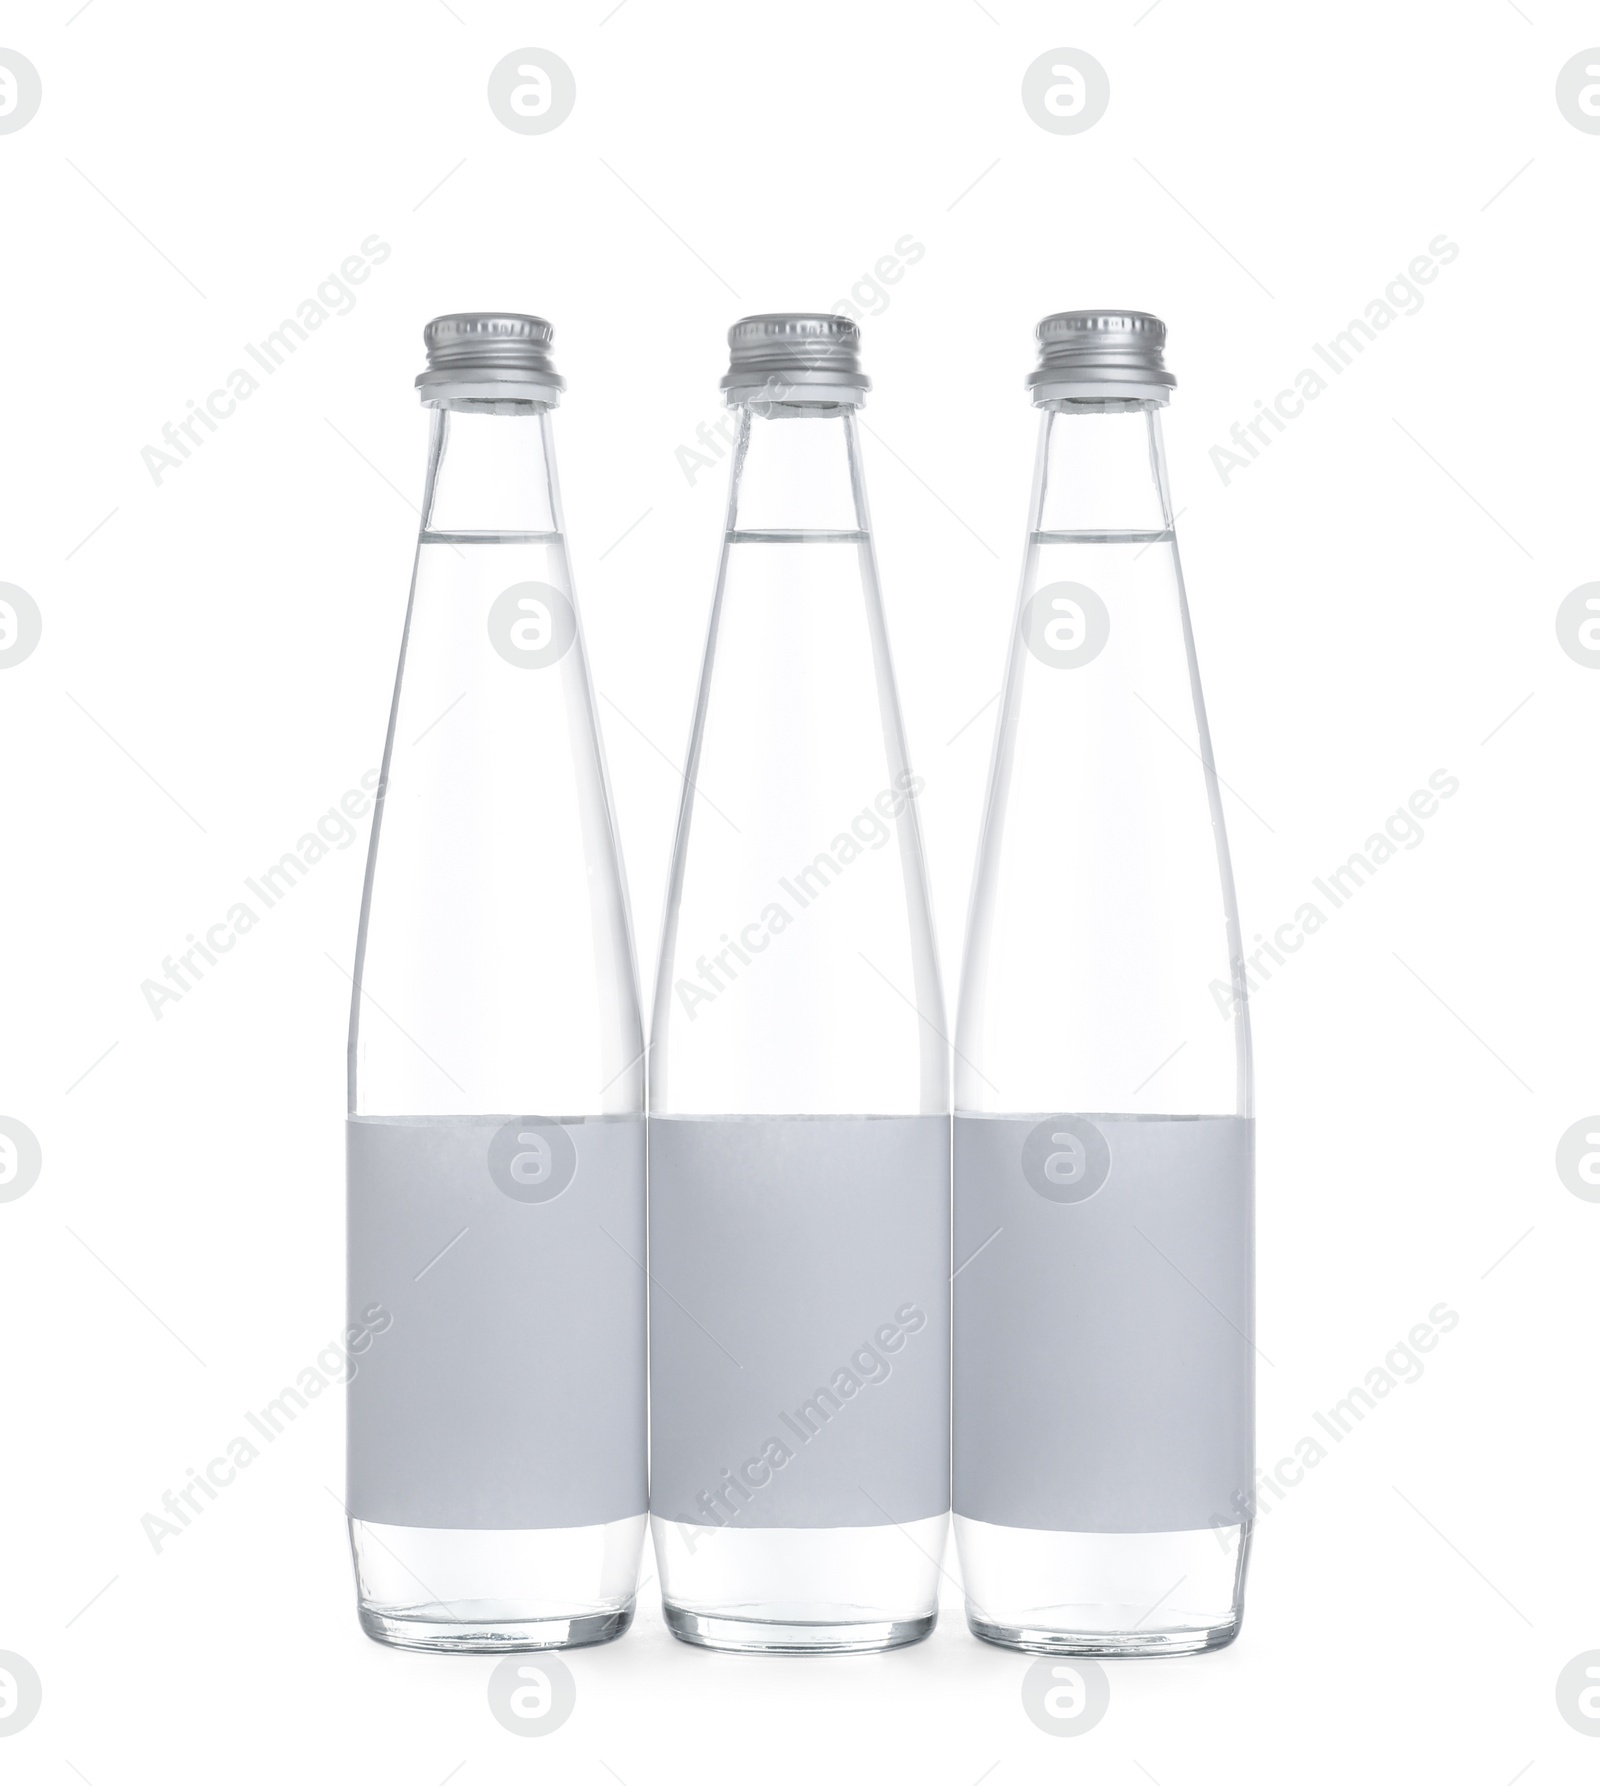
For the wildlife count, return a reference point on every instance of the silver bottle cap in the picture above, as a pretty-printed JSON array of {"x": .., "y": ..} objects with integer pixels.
[
  {"x": 795, "y": 357},
  {"x": 489, "y": 356},
  {"x": 1090, "y": 355}
]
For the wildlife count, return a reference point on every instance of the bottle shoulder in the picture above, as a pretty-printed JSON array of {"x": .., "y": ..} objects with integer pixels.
[{"x": 496, "y": 960}]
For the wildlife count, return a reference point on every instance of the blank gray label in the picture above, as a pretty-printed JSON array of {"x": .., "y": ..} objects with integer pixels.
[
  {"x": 1104, "y": 1364},
  {"x": 509, "y": 1390},
  {"x": 799, "y": 1319}
]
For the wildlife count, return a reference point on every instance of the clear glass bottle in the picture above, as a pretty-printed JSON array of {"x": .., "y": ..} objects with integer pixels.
[
  {"x": 496, "y": 1133},
  {"x": 799, "y": 1129},
  {"x": 1103, "y": 1151}
]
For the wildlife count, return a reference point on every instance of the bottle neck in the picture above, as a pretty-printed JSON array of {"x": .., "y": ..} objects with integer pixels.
[
  {"x": 1101, "y": 470},
  {"x": 796, "y": 469},
  {"x": 491, "y": 472}
]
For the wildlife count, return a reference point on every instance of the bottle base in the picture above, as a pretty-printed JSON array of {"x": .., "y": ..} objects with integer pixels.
[
  {"x": 800, "y": 1590},
  {"x": 481, "y": 1590},
  {"x": 1040, "y": 1642},
  {"x": 470, "y": 1634},
  {"x": 1061, "y": 1593},
  {"x": 775, "y": 1637}
]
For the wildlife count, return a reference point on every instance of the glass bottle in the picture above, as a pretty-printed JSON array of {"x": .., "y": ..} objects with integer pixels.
[
  {"x": 799, "y": 1128},
  {"x": 496, "y": 1134},
  {"x": 1103, "y": 1145}
]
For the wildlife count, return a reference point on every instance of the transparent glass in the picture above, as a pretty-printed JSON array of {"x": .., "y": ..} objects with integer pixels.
[
  {"x": 495, "y": 972},
  {"x": 798, "y": 796},
  {"x": 1104, "y": 971}
]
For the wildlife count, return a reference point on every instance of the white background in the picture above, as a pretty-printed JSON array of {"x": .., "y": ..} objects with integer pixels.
[{"x": 1372, "y": 598}]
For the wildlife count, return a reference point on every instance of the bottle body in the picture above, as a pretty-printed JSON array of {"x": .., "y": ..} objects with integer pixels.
[
  {"x": 496, "y": 1135},
  {"x": 1103, "y": 1150},
  {"x": 799, "y": 1099}
]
